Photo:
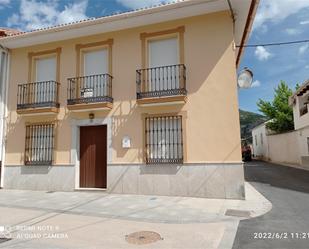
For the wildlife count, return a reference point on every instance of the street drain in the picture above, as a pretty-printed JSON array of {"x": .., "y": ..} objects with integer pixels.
[
  {"x": 143, "y": 237},
  {"x": 2, "y": 240},
  {"x": 238, "y": 213}
]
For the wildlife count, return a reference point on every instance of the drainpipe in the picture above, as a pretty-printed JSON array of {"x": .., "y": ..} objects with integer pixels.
[
  {"x": 232, "y": 14},
  {"x": 4, "y": 76}
]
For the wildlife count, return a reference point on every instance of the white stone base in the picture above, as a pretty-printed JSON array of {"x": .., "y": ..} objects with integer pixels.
[
  {"x": 194, "y": 180},
  {"x": 49, "y": 178}
]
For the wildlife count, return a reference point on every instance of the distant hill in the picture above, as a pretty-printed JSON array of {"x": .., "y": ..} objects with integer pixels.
[{"x": 248, "y": 120}]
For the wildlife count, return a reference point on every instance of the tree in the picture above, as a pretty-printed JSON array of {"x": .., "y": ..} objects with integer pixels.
[{"x": 278, "y": 111}]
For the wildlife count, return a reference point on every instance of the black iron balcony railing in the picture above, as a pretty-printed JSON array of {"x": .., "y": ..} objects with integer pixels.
[
  {"x": 161, "y": 81},
  {"x": 38, "y": 95},
  {"x": 90, "y": 89}
]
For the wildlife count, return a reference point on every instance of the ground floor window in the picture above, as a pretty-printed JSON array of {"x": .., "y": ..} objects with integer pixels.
[
  {"x": 39, "y": 144},
  {"x": 164, "y": 139}
]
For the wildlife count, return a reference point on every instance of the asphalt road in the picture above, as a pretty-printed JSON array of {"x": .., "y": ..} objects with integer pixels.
[{"x": 287, "y": 224}]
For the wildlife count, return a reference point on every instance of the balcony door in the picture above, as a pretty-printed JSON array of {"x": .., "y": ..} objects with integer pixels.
[
  {"x": 95, "y": 66},
  {"x": 45, "y": 72},
  {"x": 163, "y": 53}
]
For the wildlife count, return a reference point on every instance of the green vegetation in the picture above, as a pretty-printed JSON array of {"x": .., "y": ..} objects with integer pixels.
[
  {"x": 248, "y": 120},
  {"x": 278, "y": 110}
]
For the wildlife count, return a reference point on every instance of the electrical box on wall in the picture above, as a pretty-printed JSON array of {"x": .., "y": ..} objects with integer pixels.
[{"x": 126, "y": 142}]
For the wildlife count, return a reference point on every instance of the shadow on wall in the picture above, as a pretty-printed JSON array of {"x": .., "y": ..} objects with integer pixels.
[
  {"x": 13, "y": 136},
  {"x": 122, "y": 116},
  {"x": 211, "y": 51},
  {"x": 160, "y": 169},
  {"x": 120, "y": 121},
  {"x": 15, "y": 133},
  {"x": 37, "y": 170}
]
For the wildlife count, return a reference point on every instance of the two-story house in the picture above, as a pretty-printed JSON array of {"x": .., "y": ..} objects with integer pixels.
[
  {"x": 291, "y": 148},
  {"x": 142, "y": 102},
  {"x": 300, "y": 101}
]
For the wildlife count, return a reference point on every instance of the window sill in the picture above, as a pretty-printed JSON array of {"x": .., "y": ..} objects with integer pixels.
[
  {"x": 49, "y": 110},
  {"x": 163, "y": 100}
]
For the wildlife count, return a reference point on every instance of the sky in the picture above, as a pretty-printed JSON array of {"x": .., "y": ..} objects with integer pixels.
[{"x": 275, "y": 21}]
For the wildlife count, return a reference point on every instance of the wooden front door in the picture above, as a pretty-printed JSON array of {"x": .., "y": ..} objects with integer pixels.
[{"x": 93, "y": 156}]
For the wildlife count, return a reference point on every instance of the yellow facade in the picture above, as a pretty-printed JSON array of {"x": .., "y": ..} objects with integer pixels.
[{"x": 211, "y": 118}]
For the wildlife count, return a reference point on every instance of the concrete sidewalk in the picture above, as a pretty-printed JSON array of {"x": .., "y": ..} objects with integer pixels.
[{"x": 98, "y": 220}]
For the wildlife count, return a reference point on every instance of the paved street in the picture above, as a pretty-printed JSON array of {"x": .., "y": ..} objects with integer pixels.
[
  {"x": 288, "y": 190},
  {"x": 65, "y": 220}
]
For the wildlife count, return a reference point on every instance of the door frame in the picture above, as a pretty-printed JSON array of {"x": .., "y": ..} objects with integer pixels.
[{"x": 75, "y": 150}]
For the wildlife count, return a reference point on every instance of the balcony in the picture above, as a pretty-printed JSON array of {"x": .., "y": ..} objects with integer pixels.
[
  {"x": 161, "y": 85},
  {"x": 38, "y": 97},
  {"x": 90, "y": 92}
]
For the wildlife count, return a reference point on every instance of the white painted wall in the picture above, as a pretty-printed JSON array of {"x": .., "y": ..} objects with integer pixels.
[
  {"x": 4, "y": 62},
  {"x": 290, "y": 147},
  {"x": 260, "y": 142},
  {"x": 285, "y": 148},
  {"x": 300, "y": 121},
  {"x": 303, "y": 141}
]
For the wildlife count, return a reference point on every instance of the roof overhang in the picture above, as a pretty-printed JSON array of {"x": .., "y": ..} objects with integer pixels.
[
  {"x": 243, "y": 11},
  {"x": 304, "y": 88}
]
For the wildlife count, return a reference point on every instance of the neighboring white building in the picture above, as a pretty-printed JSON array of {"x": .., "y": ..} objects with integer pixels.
[
  {"x": 260, "y": 141},
  {"x": 300, "y": 101},
  {"x": 290, "y": 147}
]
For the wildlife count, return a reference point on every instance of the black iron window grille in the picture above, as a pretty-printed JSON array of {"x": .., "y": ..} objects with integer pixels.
[
  {"x": 38, "y": 94},
  {"x": 90, "y": 89},
  {"x": 161, "y": 81},
  {"x": 39, "y": 147},
  {"x": 164, "y": 140}
]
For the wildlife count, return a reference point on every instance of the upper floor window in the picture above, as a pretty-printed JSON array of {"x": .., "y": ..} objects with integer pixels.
[
  {"x": 41, "y": 91},
  {"x": 45, "y": 69},
  {"x": 93, "y": 71},
  {"x": 95, "y": 62},
  {"x": 163, "y": 52},
  {"x": 94, "y": 58},
  {"x": 163, "y": 72},
  {"x": 261, "y": 135},
  {"x": 45, "y": 72},
  {"x": 44, "y": 66}
]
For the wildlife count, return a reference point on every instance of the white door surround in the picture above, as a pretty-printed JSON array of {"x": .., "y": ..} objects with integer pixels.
[{"x": 75, "y": 149}]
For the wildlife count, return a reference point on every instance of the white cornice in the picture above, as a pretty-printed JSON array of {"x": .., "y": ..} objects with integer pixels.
[
  {"x": 133, "y": 19},
  {"x": 115, "y": 23}
]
